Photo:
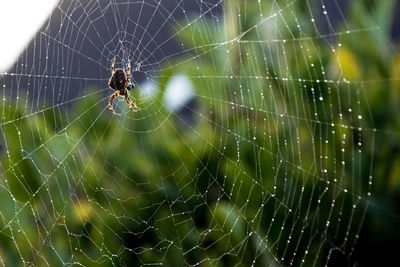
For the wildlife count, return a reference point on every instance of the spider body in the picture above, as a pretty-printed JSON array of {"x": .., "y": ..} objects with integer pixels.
[{"x": 120, "y": 81}]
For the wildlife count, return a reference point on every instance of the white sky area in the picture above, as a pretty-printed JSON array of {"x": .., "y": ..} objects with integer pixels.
[
  {"x": 19, "y": 22},
  {"x": 178, "y": 92}
]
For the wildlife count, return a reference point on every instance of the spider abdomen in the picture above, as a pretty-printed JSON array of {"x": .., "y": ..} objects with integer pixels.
[{"x": 117, "y": 81}]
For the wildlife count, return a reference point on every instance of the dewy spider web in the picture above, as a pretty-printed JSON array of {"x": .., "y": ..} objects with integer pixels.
[{"x": 272, "y": 167}]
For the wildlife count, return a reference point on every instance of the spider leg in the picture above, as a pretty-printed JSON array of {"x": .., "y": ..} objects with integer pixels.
[
  {"x": 109, "y": 84},
  {"x": 112, "y": 74},
  {"x": 110, "y": 106},
  {"x": 112, "y": 66},
  {"x": 131, "y": 105},
  {"x": 128, "y": 76}
]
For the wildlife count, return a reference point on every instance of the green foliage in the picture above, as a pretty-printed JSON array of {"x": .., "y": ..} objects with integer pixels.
[{"x": 79, "y": 185}]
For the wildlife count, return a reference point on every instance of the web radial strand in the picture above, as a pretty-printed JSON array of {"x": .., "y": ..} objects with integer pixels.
[{"x": 263, "y": 157}]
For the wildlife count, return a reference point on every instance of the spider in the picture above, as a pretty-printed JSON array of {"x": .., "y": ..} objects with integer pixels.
[{"x": 121, "y": 81}]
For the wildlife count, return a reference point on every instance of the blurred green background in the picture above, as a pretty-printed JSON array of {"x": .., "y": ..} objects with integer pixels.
[{"x": 270, "y": 165}]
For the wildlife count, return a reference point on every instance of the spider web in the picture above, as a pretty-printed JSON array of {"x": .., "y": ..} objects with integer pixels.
[{"x": 268, "y": 164}]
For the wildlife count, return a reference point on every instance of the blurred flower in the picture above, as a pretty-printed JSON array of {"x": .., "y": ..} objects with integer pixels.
[
  {"x": 82, "y": 210},
  {"x": 396, "y": 73},
  {"x": 395, "y": 83},
  {"x": 179, "y": 91},
  {"x": 348, "y": 64}
]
